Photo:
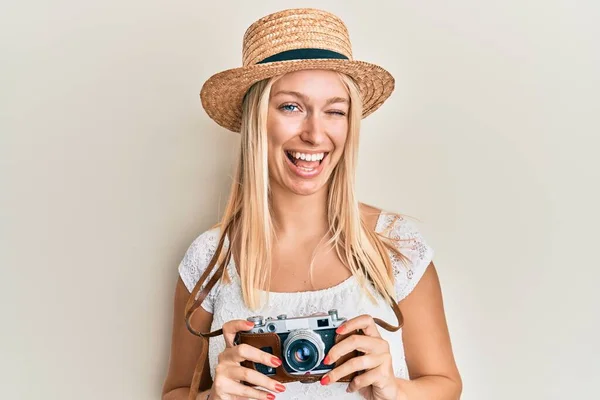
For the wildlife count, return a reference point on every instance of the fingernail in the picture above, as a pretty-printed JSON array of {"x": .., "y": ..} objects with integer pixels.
[
  {"x": 325, "y": 380},
  {"x": 348, "y": 390},
  {"x": 276, "y": 361},
  {"x": 270, "y": 396},
  {"x": 327, "y": 360},
  {"x": 340, "y": 329},
  {"x": 280, "y": 388},
  {"x": 250, "y": 324}
]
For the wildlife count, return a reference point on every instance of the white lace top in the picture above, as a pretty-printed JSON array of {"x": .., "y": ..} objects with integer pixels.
[{"x": 225, "y": 300}]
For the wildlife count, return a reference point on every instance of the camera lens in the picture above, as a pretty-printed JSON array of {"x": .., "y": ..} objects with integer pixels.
[
  {"x": 303, "y": 350},
  {"x": 302, "y": 355}
]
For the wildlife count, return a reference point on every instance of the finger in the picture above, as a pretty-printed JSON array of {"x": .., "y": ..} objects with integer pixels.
[
  {"x": 369, "y": 378},
  {"x": 226, "y": 388},
  {"x": 365, "y": 323},
  {"x": 364, "y": 344},
  {"x": 362, "y": 363},
  {"x": 255, "y": 378},
  {"x": 230, "y": 328},
  {"x": 245, "y": 352}
]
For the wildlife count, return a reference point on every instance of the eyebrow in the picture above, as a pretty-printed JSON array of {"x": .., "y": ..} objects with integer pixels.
[{"x": 331, "y": 100}]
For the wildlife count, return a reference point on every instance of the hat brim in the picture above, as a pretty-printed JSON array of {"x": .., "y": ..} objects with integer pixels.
[{"x": 222, "y": 94}]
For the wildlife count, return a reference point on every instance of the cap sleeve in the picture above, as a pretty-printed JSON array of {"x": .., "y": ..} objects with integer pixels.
[
  {"x": 194, "y": 263},
  {"x": 411, "y": 244}
]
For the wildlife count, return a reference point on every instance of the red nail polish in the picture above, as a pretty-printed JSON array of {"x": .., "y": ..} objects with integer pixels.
[
  {"x": 280, "y": 388},
  {"x": 325, "y": 380},
  {"x": 276, "y": 361},
  {"x": 250, "y": 324},
  {"x": 340, "y": 329},
  {"x": 270, "y": 396},
  {"x": 326, "y": 360}
]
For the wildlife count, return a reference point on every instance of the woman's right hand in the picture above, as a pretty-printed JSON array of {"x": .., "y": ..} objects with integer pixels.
[{"x": 229, "y": 373}]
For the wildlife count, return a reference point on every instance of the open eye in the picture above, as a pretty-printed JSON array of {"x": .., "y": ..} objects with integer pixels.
[{"x": 289, "y": 107}]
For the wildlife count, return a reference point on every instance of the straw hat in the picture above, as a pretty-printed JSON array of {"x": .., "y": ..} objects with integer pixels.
[{"x": 286, "y": 41}]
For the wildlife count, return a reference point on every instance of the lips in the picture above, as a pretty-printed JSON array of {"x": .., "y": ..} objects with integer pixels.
[{"x": 303, "y": 168}]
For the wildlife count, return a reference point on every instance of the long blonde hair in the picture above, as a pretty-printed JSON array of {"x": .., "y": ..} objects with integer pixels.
[{"x": 248, "y": 208}]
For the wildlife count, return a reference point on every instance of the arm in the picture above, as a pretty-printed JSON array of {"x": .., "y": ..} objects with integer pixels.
[
  {"x": 185, "y": 350},
  {"x": 183, "y": 394},
  {"x": 429, "y": 357}
]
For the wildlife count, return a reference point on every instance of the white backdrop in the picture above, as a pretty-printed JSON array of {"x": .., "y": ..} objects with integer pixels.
[{"x": 109, "y": 168}]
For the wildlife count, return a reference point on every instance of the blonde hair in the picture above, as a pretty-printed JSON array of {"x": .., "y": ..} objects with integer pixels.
[{"x": 247, "y": 219}]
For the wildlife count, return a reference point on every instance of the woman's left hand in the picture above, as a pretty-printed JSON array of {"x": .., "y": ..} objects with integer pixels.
[{"x": 377, "y": 382}]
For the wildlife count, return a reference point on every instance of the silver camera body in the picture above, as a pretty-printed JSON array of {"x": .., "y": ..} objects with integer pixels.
[{"x": 304, "y": 341}]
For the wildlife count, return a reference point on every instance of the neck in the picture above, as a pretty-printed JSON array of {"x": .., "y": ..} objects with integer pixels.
[{"x": 291, "y": 211}]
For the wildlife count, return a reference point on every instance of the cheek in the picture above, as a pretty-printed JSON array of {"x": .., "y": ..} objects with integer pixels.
[
  {"x": 279, "y": 131},
  {"x": 274, "y": 137},
  {"x": 339, "y": 136}
]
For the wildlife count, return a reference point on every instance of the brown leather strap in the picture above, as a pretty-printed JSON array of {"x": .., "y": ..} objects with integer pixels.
[
  {"x": 195, "y": 300},
  {"x": 399, "y": 317},
  {"x": 195, "y": 385}
]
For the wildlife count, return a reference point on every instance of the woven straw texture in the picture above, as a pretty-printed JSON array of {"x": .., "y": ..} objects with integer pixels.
[{"x": 222, "y": 94}]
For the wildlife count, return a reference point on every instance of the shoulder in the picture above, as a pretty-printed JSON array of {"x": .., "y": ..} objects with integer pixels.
[
  {"x": 412, "y": 252},
  {"x": 198, "y": 256},
  {"x": 390, "y": 224},
  {"x": 399, "y": 227},
  {"x": 204, "y": 243},
  {"x": 370, "y": 215}
]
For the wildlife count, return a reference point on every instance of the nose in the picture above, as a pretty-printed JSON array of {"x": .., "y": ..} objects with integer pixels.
[{"x": 313, "y": 130}]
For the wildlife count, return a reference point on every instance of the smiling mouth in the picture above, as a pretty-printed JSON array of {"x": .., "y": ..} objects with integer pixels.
[{"x": 300, "y": 159}]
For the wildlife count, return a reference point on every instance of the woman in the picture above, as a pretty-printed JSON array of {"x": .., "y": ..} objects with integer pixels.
[{"x": 299, "y": 241}]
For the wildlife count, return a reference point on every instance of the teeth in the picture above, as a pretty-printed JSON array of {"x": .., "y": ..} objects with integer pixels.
[{"x": 308, "y": 157}]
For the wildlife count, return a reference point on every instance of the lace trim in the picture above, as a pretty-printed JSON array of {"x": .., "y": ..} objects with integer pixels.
[
  {"x": 412, "y": 245},
  {"x": 195, "y": 261}
]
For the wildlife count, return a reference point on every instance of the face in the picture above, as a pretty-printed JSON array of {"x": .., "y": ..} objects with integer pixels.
[{"x": 307, "y": 126}]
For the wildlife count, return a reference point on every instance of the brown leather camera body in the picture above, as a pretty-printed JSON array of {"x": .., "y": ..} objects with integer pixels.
[{"x": 272, "y": 340}]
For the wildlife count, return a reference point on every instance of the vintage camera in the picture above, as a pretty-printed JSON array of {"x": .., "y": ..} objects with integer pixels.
[{"x": 304, "y": 341}]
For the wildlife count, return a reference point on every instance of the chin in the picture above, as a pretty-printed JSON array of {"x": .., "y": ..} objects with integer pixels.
[{"x": 305, "y": 188}]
